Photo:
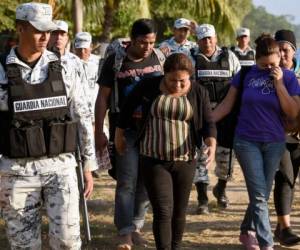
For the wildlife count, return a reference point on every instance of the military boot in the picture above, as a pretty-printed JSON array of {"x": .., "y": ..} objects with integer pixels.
[
  {"x": 202, "y": 198},
  {"x": 219, "y": 191}
]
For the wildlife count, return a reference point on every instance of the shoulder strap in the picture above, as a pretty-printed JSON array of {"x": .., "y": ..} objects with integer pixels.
[
  {"x": 244, "y": 72},
  {"x": 120, "y": 55},
  {"x": 161, "y": 57}
]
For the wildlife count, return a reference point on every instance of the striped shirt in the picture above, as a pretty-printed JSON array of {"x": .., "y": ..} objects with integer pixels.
[{"x": 167, "y": 134}]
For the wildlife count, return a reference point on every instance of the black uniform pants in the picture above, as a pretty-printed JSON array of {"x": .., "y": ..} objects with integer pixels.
[{"x": 285, "y": 180}]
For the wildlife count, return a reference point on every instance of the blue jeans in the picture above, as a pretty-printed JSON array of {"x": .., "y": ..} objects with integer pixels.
[
  {"x": 131, "y": 200},
  {"x": 259, "y": 162}
]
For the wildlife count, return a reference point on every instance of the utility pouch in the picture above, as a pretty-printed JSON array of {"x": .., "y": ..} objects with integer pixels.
[
  {"x": 17, "y": 143},
  {"x": 35, "y": 141},
  {"x": 70, "y": 136},
  {"x": 56, "y": 138}
]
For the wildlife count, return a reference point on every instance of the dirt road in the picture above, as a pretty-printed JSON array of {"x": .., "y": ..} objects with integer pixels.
[{"x": 217, "y": 231}]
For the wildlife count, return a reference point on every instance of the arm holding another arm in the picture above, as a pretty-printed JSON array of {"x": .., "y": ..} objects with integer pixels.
[
  {"x": 209, "y": 129},
  {"x": 133, "y": 100},
  {"x": 226, "y": 105}
]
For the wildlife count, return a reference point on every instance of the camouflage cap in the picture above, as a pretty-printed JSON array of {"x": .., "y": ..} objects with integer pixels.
[
  {"x": 61, "y": 25},
  {"x": 182, "y": 23},
  {"x": 83, "y": 40},
  {"x": 39, "y": 15},
  {"x": 205, "y": 30},
  {"x": 242, "y": 32}
]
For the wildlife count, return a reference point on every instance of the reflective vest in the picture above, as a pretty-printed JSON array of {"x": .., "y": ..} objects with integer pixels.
[
  {"x": 37, "y": 122},
  {"x": 215, "y": 76}
]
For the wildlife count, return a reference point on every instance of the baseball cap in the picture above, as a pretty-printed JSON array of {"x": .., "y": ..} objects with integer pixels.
[
  {"x": 182, "y": 23},
  {"x": 82, "y": 40},
  {"x": 242, "y": 32},
  {"x": 39, "y": 15},
  {"x": 205, "y": 30},
  {"x": 287, "y": 36},
  {"x": 61, "y": 25}
]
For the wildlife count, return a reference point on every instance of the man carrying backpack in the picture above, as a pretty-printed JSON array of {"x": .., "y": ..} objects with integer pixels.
[{"x": 121, "y": 72}]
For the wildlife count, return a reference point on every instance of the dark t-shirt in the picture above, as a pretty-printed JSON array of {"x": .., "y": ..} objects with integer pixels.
[{"x": 130, "y": 74}]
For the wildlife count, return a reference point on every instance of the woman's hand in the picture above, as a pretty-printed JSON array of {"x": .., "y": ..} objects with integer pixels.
[
  {"x": 120, "y": 141},
  {"x": 210, "y": 150},
  {"x": 276, "y": 73}
]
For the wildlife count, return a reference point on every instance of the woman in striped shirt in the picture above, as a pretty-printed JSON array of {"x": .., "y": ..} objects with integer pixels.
[{"x": 176, "y": 119}]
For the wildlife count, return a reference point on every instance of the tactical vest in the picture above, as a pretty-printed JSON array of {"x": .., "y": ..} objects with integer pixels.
[
  {"x": 215, "y": 76},
  {"x": 245, "y": 60},
  {"x": 37, "y": 122}
]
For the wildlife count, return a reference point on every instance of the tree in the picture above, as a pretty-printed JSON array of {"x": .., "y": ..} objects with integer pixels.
[
  {"x": 7, "y": 14},
  {"x": 259, "y": 21}
]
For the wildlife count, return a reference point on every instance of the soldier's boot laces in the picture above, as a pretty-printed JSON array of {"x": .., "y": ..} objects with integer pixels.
[
  {"x": 202, "y": 198},
  {"x": 219, "y": 191}
]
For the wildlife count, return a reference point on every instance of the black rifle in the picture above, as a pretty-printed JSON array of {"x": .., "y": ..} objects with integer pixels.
[{"x": 83, "y": 204}]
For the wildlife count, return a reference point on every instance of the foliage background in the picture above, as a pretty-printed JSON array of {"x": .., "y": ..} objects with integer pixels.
[{"x": 226, "y": 15}]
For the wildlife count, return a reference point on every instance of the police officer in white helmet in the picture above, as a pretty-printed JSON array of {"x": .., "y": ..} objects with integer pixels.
[{"x": 42, "y": 106}]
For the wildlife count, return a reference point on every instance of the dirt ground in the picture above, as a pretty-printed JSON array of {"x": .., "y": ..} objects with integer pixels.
[{"x": 217, "y": 231}]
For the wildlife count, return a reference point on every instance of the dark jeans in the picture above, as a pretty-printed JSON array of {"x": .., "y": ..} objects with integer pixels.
[
  {"x": 131, "y": 201},
  {"x": 168, "y": 185},
  {"x": 285, "y": 180}
]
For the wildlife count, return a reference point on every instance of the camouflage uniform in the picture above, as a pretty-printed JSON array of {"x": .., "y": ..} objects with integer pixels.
[
  {"x": 28, "y": 184},
  {"x": 186, "y": 48},
  {"x": 91, "y": 71},
  {"x": 222, "y": 169}
]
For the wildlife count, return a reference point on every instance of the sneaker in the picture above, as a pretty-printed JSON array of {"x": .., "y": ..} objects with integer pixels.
[
  {"x": 138, "y": 240},
  {"x": 221, "y": 197},
  {"x": 249, "y": 240},
  {"x": 286, "y": 236},
  {"x": 124, "y": 242},
  {"x": 202, "y": 209}
]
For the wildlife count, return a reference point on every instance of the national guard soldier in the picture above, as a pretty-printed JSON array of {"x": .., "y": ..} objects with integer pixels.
[
  {"x": 90, "y": 62},
  {"x": 215, "y": 67},
  {"x": 42, "y": 106},
  {"x": 243, "y": 51},
  {"x": 91, "y": 69},
  {"x": 59, "y": 42},
  {"x": 179, "y": 43}
]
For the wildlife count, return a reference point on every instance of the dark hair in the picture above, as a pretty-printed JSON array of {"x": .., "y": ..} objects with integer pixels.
[
  {"x": 22, "y": 23},
  {"x": 287, "y": 36},
  {"x": 178, "y": 61},
  {"x": 266, "y": 45},
  {"x": 142, "y": 27}
]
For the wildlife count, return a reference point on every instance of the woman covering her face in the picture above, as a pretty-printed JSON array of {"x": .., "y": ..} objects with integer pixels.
[
  {"x": 269, "y": 95},
  {"x": 176, "y": 119}
]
